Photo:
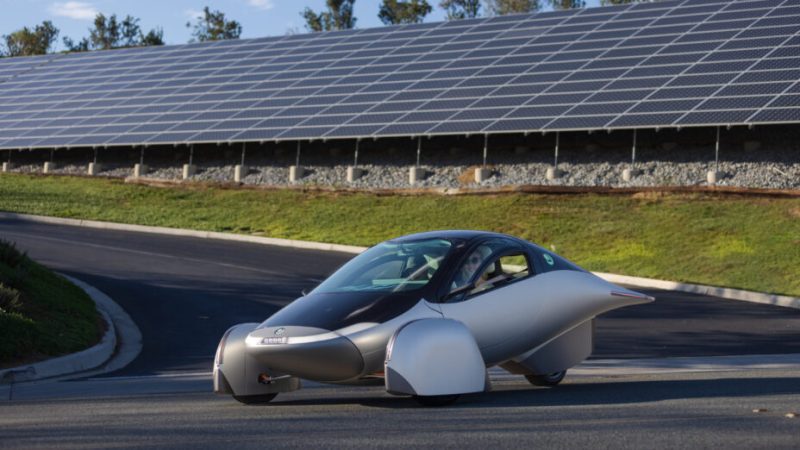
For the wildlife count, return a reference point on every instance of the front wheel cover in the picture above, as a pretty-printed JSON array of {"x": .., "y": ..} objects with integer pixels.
[{"x": 550, "y": 379}]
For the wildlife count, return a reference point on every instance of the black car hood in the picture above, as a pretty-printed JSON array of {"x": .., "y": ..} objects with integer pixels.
[{"x": 332, "y": 311}]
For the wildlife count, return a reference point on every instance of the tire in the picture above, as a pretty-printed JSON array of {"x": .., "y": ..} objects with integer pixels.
[
  {"x": 255, "y": 399},
  {"x": 551, "y": 379},
  {"x": 436, "y": 400}
]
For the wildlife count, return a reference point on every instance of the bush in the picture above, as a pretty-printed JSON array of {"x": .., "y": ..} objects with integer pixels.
[
  {"x": 9, "y": 299},
  {"x": 9, "y": 255},
  {"x": 14, "y": 267},
  {"x": 18, "y": 337}
]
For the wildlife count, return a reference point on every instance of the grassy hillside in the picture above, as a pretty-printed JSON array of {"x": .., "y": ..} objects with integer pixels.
[
  {"x": 735, "y": 241},
  {"x": 41, "y": 313}
]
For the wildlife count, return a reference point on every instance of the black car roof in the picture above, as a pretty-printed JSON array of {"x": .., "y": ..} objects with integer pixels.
[{"x": 465, "y": 235}]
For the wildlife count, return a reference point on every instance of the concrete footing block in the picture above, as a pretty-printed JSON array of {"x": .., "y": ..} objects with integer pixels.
[
  {"x": 668, "y": 146},
  {"x": 416, "y": 174},
  {"x": 751, "y": 146},
  {"x": 552, "y": 173},
  {"x": 629, "y": 174},
  {"x": 94, "y": 169},
  {"x": 7, "y": 166},
  {"x": 140, "y": 170},
  {"x": 295, "y": 173},
  {"x": 49, "y": 167},
  {"x": 713, "y": 176},
  {"x": 239, "y": 173},
  {"x": 189, "y": 170},
  {"x": 354, "y": 173},
  {"x": 481, "y": 174}
]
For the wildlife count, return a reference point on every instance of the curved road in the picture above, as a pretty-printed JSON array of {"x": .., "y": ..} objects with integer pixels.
[{"x": 184, "y": 292}]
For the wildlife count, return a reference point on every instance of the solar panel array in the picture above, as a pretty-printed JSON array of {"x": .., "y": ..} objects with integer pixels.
[{"x": 644, "y": 65}]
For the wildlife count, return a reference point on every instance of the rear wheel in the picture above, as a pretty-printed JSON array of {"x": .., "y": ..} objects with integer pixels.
[
  {"x": 255, "y": 399},
  {"x": 550, "y": 379},
  {"x": 436, "y": 400}
]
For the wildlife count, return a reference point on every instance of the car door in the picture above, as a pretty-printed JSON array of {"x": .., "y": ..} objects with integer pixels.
[{"x": 500, "y": 308}]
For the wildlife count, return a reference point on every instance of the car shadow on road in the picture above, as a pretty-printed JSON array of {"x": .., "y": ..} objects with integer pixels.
[
  {"x": 585, "y": 394},
  {"x": 626, "y": 392}
]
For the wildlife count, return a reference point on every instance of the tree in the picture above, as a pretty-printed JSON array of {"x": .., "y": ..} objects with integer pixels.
[
  {"x": 567, "y": 4},
  {"x": 153, "y": 37},
  {"x": 80, "y": 46},
  {"x": 503, "y": 7},
  {"x": 461, "y": 9},
  {"x": 395, "y": 12},
  {"x": 27, "y": 42},
  {"x": 108, "y": 33},
  {"x": 213, "y": 26},
  {"x": 339, "y": 16}
]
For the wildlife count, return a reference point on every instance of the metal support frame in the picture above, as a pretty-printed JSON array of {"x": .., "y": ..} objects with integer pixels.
[
  {"x": 94, "y": 159},
  {"x": 555, "y": 160},
  {"x": 355, "y": 157},
  {"x": 52, "y": 154},
  {"x": 141, "y": 156},
  {"x": 716, "y": 153},
  {"x": 244, "y": 150},
  {"x": 191, "y": 154},
  {"x": 485, "y": 148},
  {"x": 297, "y": 156},
  {"x": 9, "y": 156},
  {"x": 419, "y": 148},
  {"x": 633, "y": 149}
]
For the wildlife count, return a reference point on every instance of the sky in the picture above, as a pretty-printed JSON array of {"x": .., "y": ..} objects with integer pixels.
[{"x": 258, "y": 17}]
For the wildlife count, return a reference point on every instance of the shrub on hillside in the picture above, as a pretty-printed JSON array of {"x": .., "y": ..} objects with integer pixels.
[
  {"x": 14, "y": 268},
  {"x": 18, "y": 338},
  {"x": 9, "y": 255},
  {"x": 9, "y": 299}
]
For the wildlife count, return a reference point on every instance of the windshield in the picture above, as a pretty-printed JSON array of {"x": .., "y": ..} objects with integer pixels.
[{"x": 389, "y": 267}]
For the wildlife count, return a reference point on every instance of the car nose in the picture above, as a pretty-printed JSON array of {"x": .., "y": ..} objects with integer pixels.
[{"x": 306, "y": 352}]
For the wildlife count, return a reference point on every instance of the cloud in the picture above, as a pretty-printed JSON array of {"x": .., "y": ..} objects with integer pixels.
[
  {"x": 193, "y": 14},
  {"x": 261, "y": 4},
  {"x": 73, "y": 10}
]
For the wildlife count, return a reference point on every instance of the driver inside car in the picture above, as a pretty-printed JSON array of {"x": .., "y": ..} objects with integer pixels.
[{"x": 471, "y": 266}]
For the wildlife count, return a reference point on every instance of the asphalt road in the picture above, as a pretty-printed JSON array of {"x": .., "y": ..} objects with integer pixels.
[
  {"x": 184, "y": 292},
  {"x": 698, "y": 410}
]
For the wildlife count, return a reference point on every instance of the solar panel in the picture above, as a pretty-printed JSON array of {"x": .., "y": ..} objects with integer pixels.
[{"x": 659, "y": 64}]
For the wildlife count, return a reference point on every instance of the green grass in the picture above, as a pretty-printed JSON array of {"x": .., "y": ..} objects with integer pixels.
[
  {"x": 41, "y": 314},
  {"x": 734, "y": 241}
]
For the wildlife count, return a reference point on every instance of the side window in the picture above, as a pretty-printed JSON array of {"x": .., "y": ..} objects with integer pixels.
[
  {"x": 501, "y": 271},
  {"x": 471, "y": 266},
  {"x": 488, "y": 266}
]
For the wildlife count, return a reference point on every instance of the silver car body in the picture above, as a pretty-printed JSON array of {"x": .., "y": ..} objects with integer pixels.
[{"x": 540, "y": 324}]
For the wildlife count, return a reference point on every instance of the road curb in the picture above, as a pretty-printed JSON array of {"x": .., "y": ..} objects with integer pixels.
[
  {"x": 732, "y": 294},
  {"x": 74, "y": 362},
  {"x": 293, "y": 243},
  {"x": 129, "y": 338}
]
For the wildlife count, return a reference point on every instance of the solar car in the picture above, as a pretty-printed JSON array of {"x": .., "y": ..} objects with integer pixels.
[{"x": 425, "y": 315}]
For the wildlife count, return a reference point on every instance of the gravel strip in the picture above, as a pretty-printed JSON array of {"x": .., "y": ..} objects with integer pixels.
[{"x": 592, "y": 167}]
